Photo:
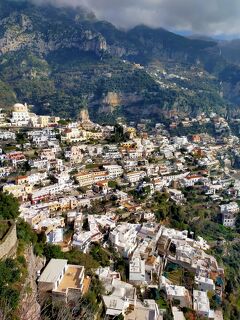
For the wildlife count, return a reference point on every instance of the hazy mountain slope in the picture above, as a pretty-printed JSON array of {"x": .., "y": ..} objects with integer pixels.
[{"x": 230, "y": 50}]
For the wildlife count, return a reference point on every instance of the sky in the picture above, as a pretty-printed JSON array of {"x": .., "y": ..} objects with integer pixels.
[{"x": 219, "y": 18}]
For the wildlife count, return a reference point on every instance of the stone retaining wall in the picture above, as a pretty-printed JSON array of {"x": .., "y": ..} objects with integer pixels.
[{"x": 8, "y": 245}]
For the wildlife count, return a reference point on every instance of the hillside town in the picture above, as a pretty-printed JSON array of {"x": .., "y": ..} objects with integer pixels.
[{"x": 139, "y": 192}]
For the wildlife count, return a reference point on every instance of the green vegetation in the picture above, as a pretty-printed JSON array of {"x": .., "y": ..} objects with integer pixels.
[
  {"x": 9, "y": 207},
  {"x": 174, "y": 273},
  {"x": 141, "y": 194},
  {"x": 112, "y": 184},
  {"x": 27, "y": 236},
  {"x": 12, "y": 271},
  {"x": 100, "y": 255},
  {"x": 10, "y": 275},
  {"x": 119, "y": 135},
  {"x": 121, "y": 265},
  {"x": 74, "y": 256},
  {"x": 166, "y": 209},
  {"x": 21, "y": 138},
  {"x": 194, "y": 129}
]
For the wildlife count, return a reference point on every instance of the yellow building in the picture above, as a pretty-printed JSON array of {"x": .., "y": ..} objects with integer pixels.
[
  {"x": 94, "y": 135},
  {"x": 128, "y": 145},
  {"x": 36, "y": 218},
  {"x": 43, "y": 121},
  {"x": 84, "y": 179}
]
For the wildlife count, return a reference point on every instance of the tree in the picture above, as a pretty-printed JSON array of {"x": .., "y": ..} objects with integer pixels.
[
  {"x": 21, "y": 138},
  {"x": 53, "y": 251},
  {"x": 9, "y": 206},
  {"x": 25, "y": 233},
  {"x": 77, "y": 257},
  {"x": 119, "y": 135},
  {"x": 112, "y": 184},
  {"x": 63, "y": 122},
  {"x": 100, "y": 255}
]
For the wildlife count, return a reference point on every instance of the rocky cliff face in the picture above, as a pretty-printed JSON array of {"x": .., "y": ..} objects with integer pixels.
[
  {"x": 30, "y": 308},
  {"x": 18, "y": 32},
  {"x": 112, "y": 99}
]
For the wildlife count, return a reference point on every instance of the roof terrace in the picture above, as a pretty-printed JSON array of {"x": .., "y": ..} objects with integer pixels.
[{"x": 72, "y": 279}]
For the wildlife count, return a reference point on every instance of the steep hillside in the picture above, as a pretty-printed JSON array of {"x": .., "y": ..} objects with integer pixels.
[
  {"x": 59, "y": 59},
  {"x": 230, "y": 50}
]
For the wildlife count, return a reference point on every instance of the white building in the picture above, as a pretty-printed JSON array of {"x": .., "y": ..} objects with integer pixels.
[
  {"x": 7, "y": 135},
  {"x": 180, "y": 141},
  {"x": 135, "y": 176},
  {"x": 124, "y": 238},
  {"x": 176, "y": 195},
  {"x": 178, "y": 293},
  {"x": 82, "y": 240},
  {"x": 37, "y": 177},
  {"x": 39, "y": 164},
  {"x": 229, "y": 213},
  {"x": 34, "y": 216},
  {"x": 113, "y": 170},
  {"x": 123, "y": 294},
  {"x": 62, "y": 280},
  {"x": 20, "y": 115},
  {"x": 201, "y": 304},
  {"x": 177, "y": 314},
  {"x": 137, "y": 269},
  {"x": 55, "y": 236},
  {"x": 191, "y": 180},
  {"x": 53, "y": 189},
  {"x": 205, "y": 284},
  {"x": 148, "y": 309}
]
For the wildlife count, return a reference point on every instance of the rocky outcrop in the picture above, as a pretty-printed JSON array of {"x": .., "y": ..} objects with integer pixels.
[
  {"x": 30, "y": 307},
  {"x": 19, "y": 34},
  {"x": 112, "y": 99}
]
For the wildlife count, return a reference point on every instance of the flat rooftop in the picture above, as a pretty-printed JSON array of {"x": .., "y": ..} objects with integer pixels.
[
  {"x": 53, "y": 270},
  {"x": 70, "y": 279}
]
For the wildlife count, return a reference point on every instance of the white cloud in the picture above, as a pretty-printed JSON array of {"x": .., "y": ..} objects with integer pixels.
[{"x": 211, "y": 17}]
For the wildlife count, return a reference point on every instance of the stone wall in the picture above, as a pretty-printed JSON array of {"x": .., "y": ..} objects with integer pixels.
[{"x": 8, "y": 245}]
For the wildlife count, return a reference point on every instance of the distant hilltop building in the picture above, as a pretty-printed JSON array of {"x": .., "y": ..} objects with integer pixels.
[
  {"x": 22, "y": 117},
  {"x": 20, "y": 114},
  {"x": 84, "y": 115},
  {"x": 18, "y": 107},
  {"x": 86, "y": 123}
]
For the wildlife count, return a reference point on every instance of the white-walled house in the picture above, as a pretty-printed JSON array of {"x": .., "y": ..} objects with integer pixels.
[
  {"x": 137, "y": 270},
  {"x": 229, "y": 214},
  {"x": 62, "y": 280}
]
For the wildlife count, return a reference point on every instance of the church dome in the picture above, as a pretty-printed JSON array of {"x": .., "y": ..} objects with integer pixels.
[{"x": 19, "y": 107}]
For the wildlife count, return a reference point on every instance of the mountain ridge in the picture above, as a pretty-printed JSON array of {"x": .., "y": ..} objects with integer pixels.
[{"x": 60, "y": 59}]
